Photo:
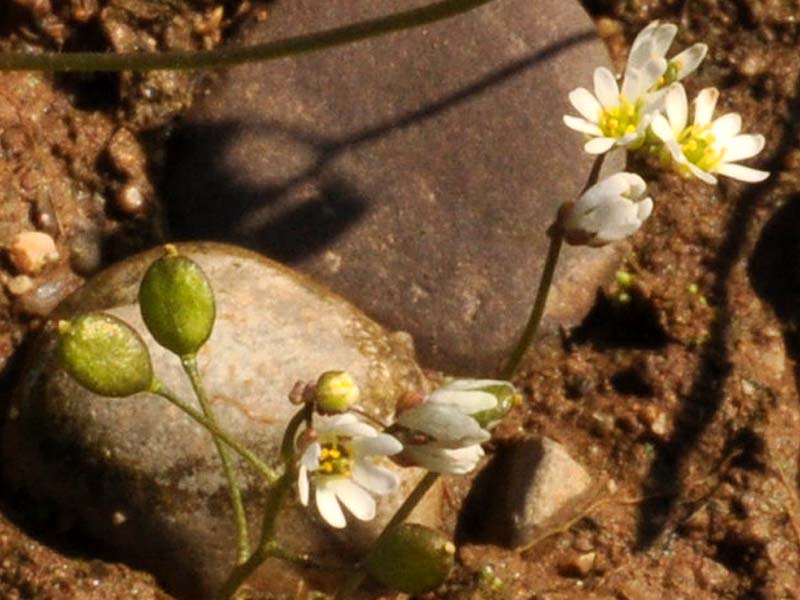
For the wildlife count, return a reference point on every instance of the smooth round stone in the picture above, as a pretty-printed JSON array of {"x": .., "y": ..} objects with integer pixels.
[
  {"x": 415, "y": 173},
  {"x": 144, "y": 479}
]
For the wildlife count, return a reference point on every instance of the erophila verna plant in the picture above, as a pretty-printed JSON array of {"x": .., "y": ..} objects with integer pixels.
[{"x": 337, "y": 457}]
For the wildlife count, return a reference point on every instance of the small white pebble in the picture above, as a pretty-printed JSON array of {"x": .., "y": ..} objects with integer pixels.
[
  {"x": 30, "y": 251},
  {"x": 119, "y": 518},
  {"x": 19, "y": 285}
]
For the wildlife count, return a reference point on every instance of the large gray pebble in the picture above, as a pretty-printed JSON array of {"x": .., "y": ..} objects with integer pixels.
[
  {"x": 414, "y": 173},
  {"x": 145, "y": 480}
]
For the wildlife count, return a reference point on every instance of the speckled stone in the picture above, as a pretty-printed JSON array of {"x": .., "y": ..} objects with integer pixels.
[
  {"x": 137, "y": 474},
  {"x": 414, "y": 173}
]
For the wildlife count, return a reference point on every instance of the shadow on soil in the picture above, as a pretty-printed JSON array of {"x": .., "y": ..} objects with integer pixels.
[{"x": 768, "y": 271}]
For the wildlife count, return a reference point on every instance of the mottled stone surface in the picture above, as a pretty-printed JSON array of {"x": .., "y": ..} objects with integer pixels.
[
  {"x": 530, "y": 486},
  {"x": 414, "y": 173},
  {"x": 137, "y": 474},
  {"x": 544, "y": 482}
]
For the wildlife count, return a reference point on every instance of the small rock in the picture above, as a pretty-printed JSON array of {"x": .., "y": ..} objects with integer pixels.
[
  {"x": 126, "y": 153},
  {"x": 19, "y": 285},
  {"x": 145, "y": 480},
  {"x": 31, "y": 251},
  {"x": 544, "y": 482},
  {"x": 579, "y": 565},
  {"x": 130, "y": 199},
  {"x": 530, "y": 486}
]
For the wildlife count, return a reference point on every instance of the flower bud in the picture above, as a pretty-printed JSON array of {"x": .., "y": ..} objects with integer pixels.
[
  {"x": 609, "y": 211},
  {"x": 105, "y": 355},
  {"x": 177, "y": 303},
  {"x": 507, "y": 398},
  {"x": 336, "y": 392},
  {"x": 411, "y": 558}
]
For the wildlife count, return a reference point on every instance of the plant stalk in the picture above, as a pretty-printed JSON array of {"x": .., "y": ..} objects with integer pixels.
[
  {"x": 259, "y": 465},
  {"x": 189, "y": 362},
  {"x": 179, "y": 60},
  {"x": 268, "y": 546},
  {"x": 556, "y": 234}
]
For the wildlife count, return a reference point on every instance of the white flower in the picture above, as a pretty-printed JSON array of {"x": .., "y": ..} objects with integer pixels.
[
  {"x": 442, "y": 434},
  {"x": 706, "y": 147},
  {"x": 608, "y": 211},
  {"x": 650, "y": 48},
  {"x": 340, "y": 464},
  {"x": 613, "y": 117}
]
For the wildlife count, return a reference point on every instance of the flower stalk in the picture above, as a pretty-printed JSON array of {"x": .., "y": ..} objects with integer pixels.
[
  {"x": 537, "y": 311},
  {"x": 189, "y": 363}
]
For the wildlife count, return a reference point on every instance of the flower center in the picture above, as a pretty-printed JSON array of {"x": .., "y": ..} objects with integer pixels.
[
  {"x": 334, "y": 459},
  {"x": 669, "y": 76},
  {"x": 621, "y": 120},
  {"x": 697, "y": 144}
]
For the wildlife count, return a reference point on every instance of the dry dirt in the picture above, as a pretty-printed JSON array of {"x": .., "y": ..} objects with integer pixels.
[{"x": 678, "y": 392}]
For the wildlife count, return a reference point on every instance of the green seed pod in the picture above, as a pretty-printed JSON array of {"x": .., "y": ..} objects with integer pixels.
[
  {"x": 411, "y": 558},
  {"x": 105, "y": 355},
  {"x": 177, "y": 303},
  {"x": 507, "y": 398},
  {"x": 336, "y": 392}
]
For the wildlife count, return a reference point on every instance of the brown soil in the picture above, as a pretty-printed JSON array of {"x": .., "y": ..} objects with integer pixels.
[{"x": 681, "y": 401}]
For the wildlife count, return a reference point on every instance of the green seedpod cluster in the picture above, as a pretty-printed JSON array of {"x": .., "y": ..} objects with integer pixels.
[
  {"x": 411, "y": 558},
  {"x": 507, "y": 398},
  {"x": 177, "y": 303},
  {"x": 105, "y": 355}
]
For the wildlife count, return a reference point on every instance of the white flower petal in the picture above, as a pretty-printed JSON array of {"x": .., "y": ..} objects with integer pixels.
[
  {"x": 346, "y": 424},
  {"x": 662, "y": 38},
  {"x": 373, "y": 478},
  {"x": 661, "y": 127},
  {"x": 586, "y": 104},
  {"x": 689, "y": 59},
  {"x": 704, "y": 106},
  {"x": 645, "y": 209},
  {"x": 356, "y": 499},
  {"x": 468, "y": 402},
  {"x": 445, "y": 423},
  {"x": 439, "y": 460},
  {"x": 599, "y": 145},
  {"x": 302, "y": 485},
  {"x": 382, "y": 444},
  {"x": 726, "y": 127},
  {"x": 310, "y": 458},
  {"x": 605, "y": 88},
  {"x": 742, "y": 173},
  {"x": 677, "y": 107},
  {"x": 328, "y": 505},
  {"x": 582, "y": 125},
  {"x": 701, "y": 174},
  {"x": 743, "y": 146},
  {"x": 475, "y": 384},
  {"x": 642, "y": 46}
]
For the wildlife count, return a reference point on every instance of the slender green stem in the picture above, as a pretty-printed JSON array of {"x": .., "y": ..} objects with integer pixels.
[
  {"x": 243, "y": 536},
  {"x": 357, "y": 578},
  {"x": 102, "y": 61},
  {"x": 268, "y": 546},
  {"x": 556, "y": 233},
  {"x": 259, "y": 465}
]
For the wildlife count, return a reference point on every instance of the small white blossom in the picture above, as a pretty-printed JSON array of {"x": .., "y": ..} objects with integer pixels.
[
  {"x": 613, "y": 117},
  {"x": 650, "y": 48},
  {"x": 608, "y": 211},
  {"x": 341, "y": 465},
  {"x": 706, "y": 147},
  {"x": 442, "y": 433}
]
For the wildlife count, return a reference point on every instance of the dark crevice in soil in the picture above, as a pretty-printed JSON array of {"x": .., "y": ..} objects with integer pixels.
[{"x": 611, "y": 324}]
